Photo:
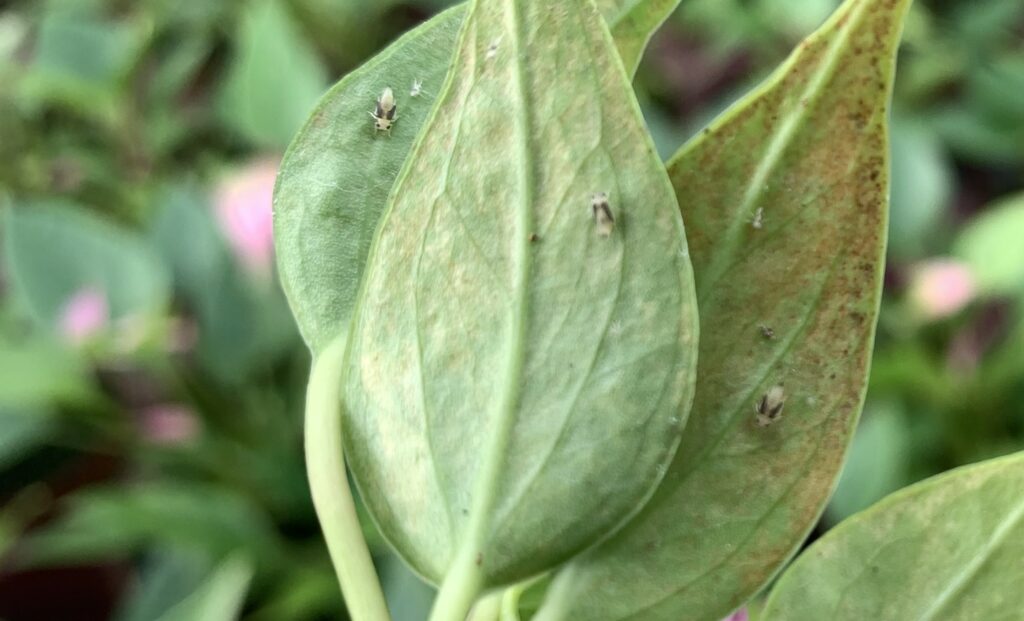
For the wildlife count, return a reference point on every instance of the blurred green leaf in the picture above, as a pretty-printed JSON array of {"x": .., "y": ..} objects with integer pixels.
[
  {"x": 947, "y": 548},
  {"x": 877, "y": 463},
  {"x": 922, "y": 185},
  {"x": 117, "y": 521},
  {"x": 305, "y": 593},
  {"x": 165, "y": 578},
  {"x": 55, "y": 250},
  {"x": 80, "y": 60},
  {"x": 220, "y": 597},
  {"x": 991, "y": 245},
  {"x": 408, "y": 597},
  {"x": 633, "y": 23},
  {"x": 20, "y": 433},
  {"x": 785, "y": 203},
  {"x": 275, "y": 78},
  {"x": 242, "y": 323},
  {"x": 38, "y": 373}
]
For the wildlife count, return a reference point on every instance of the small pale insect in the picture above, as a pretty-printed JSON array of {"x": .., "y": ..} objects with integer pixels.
[
  {"x": 417, "y": 88},
  {"x": 386, "y": 113},
  {"x": 492, "y": 49},
  {"x": 602, "y": 212},
  {"x": 758, "y": 221},
  {"x": 769, "y": 408},
  {"x": 767, "y": 332}
]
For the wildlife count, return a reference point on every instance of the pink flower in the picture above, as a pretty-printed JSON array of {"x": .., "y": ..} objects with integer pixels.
[
  {"x": 941, "y": 287},
  {"x": 169, "y": 424},
  {"x": 85, "y": 314},
  {"x": 243, "y": 203},
  {"x": 739, "y": 615}
]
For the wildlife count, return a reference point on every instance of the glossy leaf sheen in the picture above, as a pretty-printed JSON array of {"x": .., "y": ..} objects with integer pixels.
[
  {"x": 949, "y": 548},
  {"x": 514, "y": 398},
  {"x": 809, "y": 147},
  {"x": 337, "y": 174}
]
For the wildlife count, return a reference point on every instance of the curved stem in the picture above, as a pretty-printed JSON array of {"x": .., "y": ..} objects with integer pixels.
[
  {"x": 487, "y": 609},
  {"x": 559, "y": 595},
  {"x": 460, "y": 589},
  {"x": 332, "y": 497}
]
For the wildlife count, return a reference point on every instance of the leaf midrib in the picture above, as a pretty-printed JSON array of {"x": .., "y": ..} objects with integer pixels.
[
  {"x": 778, "y": 146},
  {"x": 486, "y": 486},
  {"x": 972, "y": 568}
]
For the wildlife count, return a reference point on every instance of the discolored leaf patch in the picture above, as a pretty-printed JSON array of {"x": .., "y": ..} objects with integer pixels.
[{"x": 785, "y": 200}]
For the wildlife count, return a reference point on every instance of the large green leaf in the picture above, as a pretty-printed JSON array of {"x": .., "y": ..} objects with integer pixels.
[
  {"x": 948, "y": 548},
  {"x": 517, "y": 381},
  {"x": 785, "y": 203},
  {"x": 337, "y": 174}
]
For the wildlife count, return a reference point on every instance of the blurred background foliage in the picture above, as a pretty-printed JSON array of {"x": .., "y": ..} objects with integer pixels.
[{"x": 151, "y": 379}]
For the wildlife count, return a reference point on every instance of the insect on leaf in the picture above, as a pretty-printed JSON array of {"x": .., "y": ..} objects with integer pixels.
[
  {"x": 792, "y": 303},
  {"x": 947, "y": 548},
  {"x": 517, "y": 381}
]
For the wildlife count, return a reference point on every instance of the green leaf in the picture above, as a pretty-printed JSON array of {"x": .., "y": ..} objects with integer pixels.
[
  {"x": 21, "y": 433},
  {"x": 55, "y": 250},
  {"x": 196, "y": 517},
  {"x": 38, "y": 373},
  {"x": 991, "y": 246},
  {"x": 275, "y": 78},
  {"x": 878, "y": 463},
  {"x": 516, "y": 380},
  {"x": 221, "y": 596},
  {"x": 165, "y": 579},
  {"x": 80, "y": 59},
  {"x": 947, "y": 548},
  {"x": 632, "y": 23},
  {"x": 337, "y": 174},
  {"x": 242, "y": 323},
  {"x": 922, "y": 183},
  {"x": 809, "y": 149}
]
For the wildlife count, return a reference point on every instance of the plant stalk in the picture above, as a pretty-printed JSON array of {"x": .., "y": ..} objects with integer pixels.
[{"x": 332, "y": 496}]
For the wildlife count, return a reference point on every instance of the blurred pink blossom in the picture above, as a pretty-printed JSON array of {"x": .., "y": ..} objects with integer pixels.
[
  {"x": 85, "y": 313},
  {"x": 169, "y": 424},
  {"x": 941, "y": 287},
  {"x": 243, "y": 203},
  {"x": 739, "y": 615}
]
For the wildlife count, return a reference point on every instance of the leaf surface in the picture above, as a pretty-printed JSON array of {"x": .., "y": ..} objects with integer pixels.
[
  {"x": 948, "y": 548},
  {"x": 336, "y": 176},
  {"x": 788, "y": 299},
  {"x": 517, "y": 381}
]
